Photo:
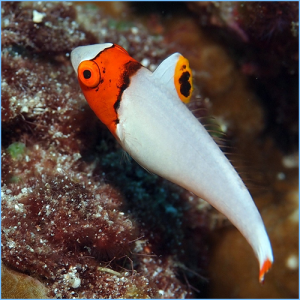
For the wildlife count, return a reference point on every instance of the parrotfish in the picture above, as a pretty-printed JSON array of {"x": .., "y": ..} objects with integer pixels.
[{"x": 147, "y": 114}]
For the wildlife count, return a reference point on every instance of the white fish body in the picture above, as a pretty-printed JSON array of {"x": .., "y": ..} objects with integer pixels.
[{"x": 156, "y": 128}]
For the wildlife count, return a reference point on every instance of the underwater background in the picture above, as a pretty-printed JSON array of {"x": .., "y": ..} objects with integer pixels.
[{"x": 82, "y": 220}]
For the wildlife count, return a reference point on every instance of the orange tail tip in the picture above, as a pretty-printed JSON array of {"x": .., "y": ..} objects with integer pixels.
[{"x": 265, "y": 268}]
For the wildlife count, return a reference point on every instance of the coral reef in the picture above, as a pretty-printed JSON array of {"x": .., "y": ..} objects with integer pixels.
[
  {"x": 64, "y": 219},
  {"x": 81, "y": 220}
]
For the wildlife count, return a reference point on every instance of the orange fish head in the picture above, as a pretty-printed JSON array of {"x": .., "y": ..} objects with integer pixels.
[{"x": 103, "y": 73}]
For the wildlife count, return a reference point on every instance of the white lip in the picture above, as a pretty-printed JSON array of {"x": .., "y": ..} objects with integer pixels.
[{"x": 82, "y": 53}]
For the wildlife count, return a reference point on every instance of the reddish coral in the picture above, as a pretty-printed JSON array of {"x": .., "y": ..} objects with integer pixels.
[{"x": 55, "y": 33}]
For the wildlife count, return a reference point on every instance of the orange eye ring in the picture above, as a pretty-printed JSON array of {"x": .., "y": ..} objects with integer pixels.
[{"x": 89, "y": 73}]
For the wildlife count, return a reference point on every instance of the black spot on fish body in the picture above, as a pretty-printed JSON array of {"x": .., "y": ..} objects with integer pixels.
[{"x": 185, "y": 85}]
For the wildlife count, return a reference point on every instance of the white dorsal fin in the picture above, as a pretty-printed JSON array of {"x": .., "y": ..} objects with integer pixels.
[{"x": 175, "y": 75}]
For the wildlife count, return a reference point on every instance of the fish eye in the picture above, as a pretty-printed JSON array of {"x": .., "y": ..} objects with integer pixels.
[{"x": 89, "y": 73}]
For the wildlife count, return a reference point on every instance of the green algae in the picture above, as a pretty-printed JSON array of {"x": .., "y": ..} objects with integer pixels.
[
  {"x": 120, "y": 25},
  {"x": 16, "y": 150},
  {"x": 14, "y": 179}
]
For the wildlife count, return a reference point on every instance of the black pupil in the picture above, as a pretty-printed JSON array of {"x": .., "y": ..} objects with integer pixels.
[{"x": 87, "y": 74}]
